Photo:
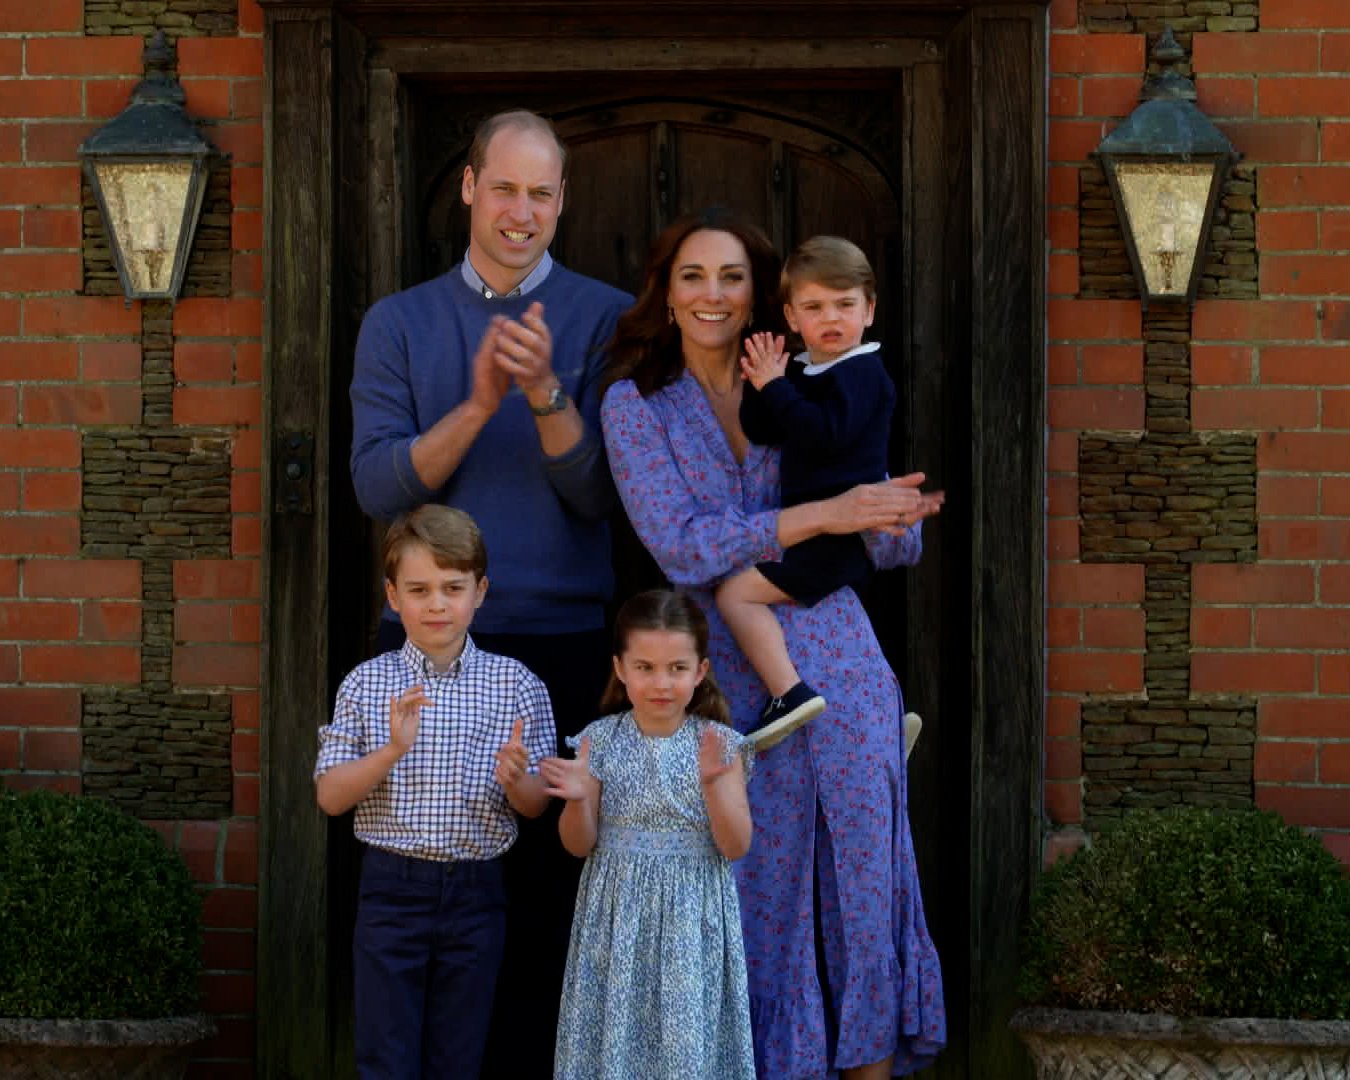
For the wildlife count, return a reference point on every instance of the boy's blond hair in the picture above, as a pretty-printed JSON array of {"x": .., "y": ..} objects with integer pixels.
[
  {"x": 450, "y": 535},
  {"x": 831, "y": 261}
]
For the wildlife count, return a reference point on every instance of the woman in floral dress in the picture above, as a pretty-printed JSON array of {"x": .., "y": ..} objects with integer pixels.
[{"x": 832, "y": 859}]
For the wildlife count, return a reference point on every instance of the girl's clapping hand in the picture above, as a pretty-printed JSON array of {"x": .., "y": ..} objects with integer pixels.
[
  {"x": 569, "y": 779},
  {"x": 712, "y": 763}
]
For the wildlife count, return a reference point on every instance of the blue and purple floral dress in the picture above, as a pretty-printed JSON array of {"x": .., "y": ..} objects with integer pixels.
[{"x": 828, "y": 803}]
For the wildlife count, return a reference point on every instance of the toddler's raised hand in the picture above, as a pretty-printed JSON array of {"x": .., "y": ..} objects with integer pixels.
[
  {"x": 513, "y": 760},
  {"x": 711, "y": 757},
  {"x": 764, "y": 358},
  {"x": 405, "y": 714},
  {"x": 569, "y": 778}
]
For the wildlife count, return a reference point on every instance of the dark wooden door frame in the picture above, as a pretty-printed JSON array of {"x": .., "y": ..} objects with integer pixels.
[{"x": 976, "y": 392}]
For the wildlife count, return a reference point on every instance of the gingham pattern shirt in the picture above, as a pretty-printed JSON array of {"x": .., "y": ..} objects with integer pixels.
[{"x": 440, "y": 801}]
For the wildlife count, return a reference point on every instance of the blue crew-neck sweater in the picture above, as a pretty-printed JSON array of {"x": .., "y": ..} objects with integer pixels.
[{"x": 543, "y": 519}]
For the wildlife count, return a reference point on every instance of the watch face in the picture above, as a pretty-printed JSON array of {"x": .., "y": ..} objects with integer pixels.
[{"x": 557, "y": 402}]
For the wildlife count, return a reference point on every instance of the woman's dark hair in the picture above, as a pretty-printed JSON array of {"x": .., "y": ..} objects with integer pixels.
[
  {"x": 662, "y": 609},
  {"x": 646, "y": 345}
]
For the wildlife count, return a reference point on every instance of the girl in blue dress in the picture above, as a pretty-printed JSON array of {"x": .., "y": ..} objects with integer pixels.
[{"x": 656, "y": 804}]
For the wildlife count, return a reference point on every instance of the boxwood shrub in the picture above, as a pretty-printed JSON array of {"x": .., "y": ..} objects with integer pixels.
[
  {"x": 1194, "y": 913},
  {"x": 99, "y": 919}
]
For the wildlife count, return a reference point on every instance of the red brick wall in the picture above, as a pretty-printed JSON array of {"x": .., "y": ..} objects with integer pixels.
[
  {"x": 69, "y": 363},
  {"x": 1279, "y": 365}
]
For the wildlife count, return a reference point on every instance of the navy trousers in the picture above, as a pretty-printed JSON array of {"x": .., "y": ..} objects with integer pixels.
[
  {"x": 541, "y": 876},
  {"x": 428, "y": 946}
]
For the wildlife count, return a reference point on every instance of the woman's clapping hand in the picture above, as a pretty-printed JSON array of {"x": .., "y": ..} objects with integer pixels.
[{"x": 891, "y": 506}]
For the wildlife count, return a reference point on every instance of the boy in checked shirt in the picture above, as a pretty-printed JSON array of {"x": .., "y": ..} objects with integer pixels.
[{"x": 437, "y": 746}]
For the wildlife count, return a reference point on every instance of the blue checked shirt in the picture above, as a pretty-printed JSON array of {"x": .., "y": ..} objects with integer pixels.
[{"x": 440, "y": 801}]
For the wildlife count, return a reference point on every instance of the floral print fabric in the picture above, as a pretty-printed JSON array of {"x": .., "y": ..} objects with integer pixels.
[
  {"x": 829, "y": 802},
  {"x": 655, "y": 983}
]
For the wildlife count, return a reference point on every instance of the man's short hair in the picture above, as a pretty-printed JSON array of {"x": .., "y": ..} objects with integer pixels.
[
  {"x": 516, "y": 119},
  {"x": 831, "y": 261},
  {"x": 450, "y": 535}
]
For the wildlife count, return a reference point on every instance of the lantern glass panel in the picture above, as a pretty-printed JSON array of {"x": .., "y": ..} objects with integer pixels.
[
  {"x": 146, "y": 203},
  {"x": 1166, "y": 204}
]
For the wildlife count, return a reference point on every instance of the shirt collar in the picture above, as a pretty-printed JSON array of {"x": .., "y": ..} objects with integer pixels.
[
  {"x": 420, "y": 663},
  {"x": 532, "y": 280},
  {"x": 804, "y": 358}
]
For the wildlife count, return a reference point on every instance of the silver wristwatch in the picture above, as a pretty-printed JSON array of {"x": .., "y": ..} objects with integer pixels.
[{"x": 556, "y": 403}]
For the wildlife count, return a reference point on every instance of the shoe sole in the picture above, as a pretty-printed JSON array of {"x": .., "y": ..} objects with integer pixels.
[
  {"x": 772, "y": 734},
  {"x": 913, "y": 725}
]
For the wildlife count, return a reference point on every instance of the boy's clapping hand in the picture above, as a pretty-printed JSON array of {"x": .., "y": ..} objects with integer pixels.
[
  {"x": 513, "y": 760},
  {"x": 405, "y": 713}
]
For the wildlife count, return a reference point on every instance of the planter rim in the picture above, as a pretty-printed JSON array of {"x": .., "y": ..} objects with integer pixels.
[
  {"x": 1161, "y": 1027},
  {"x": 161, "y": 1031}
]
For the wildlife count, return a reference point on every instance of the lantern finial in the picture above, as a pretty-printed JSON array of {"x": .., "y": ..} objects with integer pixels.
[{"x": 1168, "y": 84}]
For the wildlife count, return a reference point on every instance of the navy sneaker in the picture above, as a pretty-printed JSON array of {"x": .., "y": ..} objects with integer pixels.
[{"x": 784, "y": 715}]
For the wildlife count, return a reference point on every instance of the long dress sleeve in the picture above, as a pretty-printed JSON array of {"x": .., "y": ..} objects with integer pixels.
[
  {"x": 682, "y": 497},
  {"x": 888, "y": 552}
]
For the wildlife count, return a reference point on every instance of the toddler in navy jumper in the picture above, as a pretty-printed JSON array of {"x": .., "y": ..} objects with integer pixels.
[{"x": 829, "y": 409}]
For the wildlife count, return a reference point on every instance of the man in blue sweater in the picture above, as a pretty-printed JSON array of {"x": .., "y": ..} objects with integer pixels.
[{"x": 480, "y": 389}]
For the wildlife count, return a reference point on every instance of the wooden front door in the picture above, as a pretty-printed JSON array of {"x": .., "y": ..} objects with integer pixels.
[
  {"x": 634, "y": 167},
  {"x": 915, "y": 128}
]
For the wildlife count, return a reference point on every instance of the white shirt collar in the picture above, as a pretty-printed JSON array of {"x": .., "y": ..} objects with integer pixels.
[
  {"x": 423, "y": 668},
  {"x": 808, "y": 368},
  {"x": 532, "y": 280}
]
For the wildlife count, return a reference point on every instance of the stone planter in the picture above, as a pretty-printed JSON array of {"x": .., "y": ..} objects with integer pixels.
[
  {"x": 100, "y": 1049},
  {"x": 1070, "y": 1044}
]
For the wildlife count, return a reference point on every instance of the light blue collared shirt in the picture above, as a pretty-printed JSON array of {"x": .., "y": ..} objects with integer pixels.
[{"x": 532, "y": 280}]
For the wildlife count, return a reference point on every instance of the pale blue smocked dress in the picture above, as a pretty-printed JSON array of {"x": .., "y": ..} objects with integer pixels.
[{"x": 655, "y": 984}]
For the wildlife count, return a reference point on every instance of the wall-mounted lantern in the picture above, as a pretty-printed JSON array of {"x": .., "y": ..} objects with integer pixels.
[
  {"x": 148, "y": 168},
  {"x": 1166, "y": 165}
]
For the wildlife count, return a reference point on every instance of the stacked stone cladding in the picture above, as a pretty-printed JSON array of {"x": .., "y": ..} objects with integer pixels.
[
  {"x": 159, "y": 493},
  {"x": 1184, "y": 16}
]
